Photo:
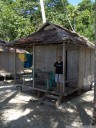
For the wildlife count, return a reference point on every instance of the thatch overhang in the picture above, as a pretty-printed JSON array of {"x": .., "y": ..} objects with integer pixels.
[
  {"x": 3, "y": 48},
  {"x": 2, "y": 45},
  {"x": 2, "y": 42},
  {"x": 51, "y": 34}
]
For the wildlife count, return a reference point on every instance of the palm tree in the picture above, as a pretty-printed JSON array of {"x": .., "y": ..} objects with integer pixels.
[{"x": 43, "y": 11}]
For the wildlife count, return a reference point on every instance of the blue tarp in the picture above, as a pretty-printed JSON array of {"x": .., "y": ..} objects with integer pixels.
[{"x": 29, "y": 61}]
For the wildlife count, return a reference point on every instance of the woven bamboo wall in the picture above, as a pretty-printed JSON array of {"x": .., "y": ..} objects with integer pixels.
[
  {"x": 82, "y": 66},
  {"x": 3, "y": 61},
  {"x": 92, "y": 65},
  {"x": 86, "y": 67},
  {"x": 46, "y": 55},
  {"x": 19, "y": 64},
  {"x": 82, "y": 62},
  {"x": 7, "y": 62}
]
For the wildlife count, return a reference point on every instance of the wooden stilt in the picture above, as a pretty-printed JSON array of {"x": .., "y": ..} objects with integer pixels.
[
  {"x": 15, "y": 66},
  {"x": 59, "y": 100},
  {"x": 33, "y": 66},
  {"x": 64, "y": 67}
]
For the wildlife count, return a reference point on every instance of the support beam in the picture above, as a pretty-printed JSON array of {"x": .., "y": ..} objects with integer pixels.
[
  {"x": 33, "y": 66},
  {"x": 15, "y": 66},
  {"x": 64, "y": 59},
  {"x": 79, "y": 68}
]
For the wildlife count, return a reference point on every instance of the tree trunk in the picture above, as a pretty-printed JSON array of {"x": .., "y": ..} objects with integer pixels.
[{"x": 94, "y": 111}]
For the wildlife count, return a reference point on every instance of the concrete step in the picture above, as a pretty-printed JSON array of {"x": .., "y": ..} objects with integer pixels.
[
  {"x": 54, "y": 93},
  {"x": 51, "y": 96},
  {"x": 48, "y": 103}
]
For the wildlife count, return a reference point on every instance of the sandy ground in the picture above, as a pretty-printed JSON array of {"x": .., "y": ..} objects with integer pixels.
[{"x": 17, "y": 111}]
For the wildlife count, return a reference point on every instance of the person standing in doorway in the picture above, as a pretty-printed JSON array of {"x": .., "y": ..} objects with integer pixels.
[{"x": 58, "y": 70}]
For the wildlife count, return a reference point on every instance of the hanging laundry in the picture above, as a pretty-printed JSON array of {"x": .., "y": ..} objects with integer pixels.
[
  {"x": 22, "y": 57},
  {"x": 28, "y": 62}
]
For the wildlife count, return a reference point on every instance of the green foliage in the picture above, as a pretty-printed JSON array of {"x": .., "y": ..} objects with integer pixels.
[
  {"x": 85, "y": 4},
  {"x": 19, "y": 18},
  {"x": 82, "y": 18},
  {"x": 13, "y": 24}
]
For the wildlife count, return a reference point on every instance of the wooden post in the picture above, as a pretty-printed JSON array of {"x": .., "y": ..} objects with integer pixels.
[
  {"x": 15, "y": 66},
  {"x": 64, "y": 52},
  {"x": 47, "y": 83},
  {"x": 79, "y": 75},
  {"x": 33, "y": 66},
  {"x": 90, "y": 72}
]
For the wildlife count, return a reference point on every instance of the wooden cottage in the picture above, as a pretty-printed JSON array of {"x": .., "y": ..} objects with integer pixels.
[
  {"x": 51, "y": 41},
  {"x": 7, "y": 60}
]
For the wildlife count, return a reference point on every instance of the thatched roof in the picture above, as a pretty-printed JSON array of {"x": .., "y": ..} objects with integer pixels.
[
  {"x": 51, "y": 34},
  {"x": 2, "y": 42},
  {"x": 3, "y": 48},
  {"x": 2, "y": 45},
  {"x": 11, "y": 50}
]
